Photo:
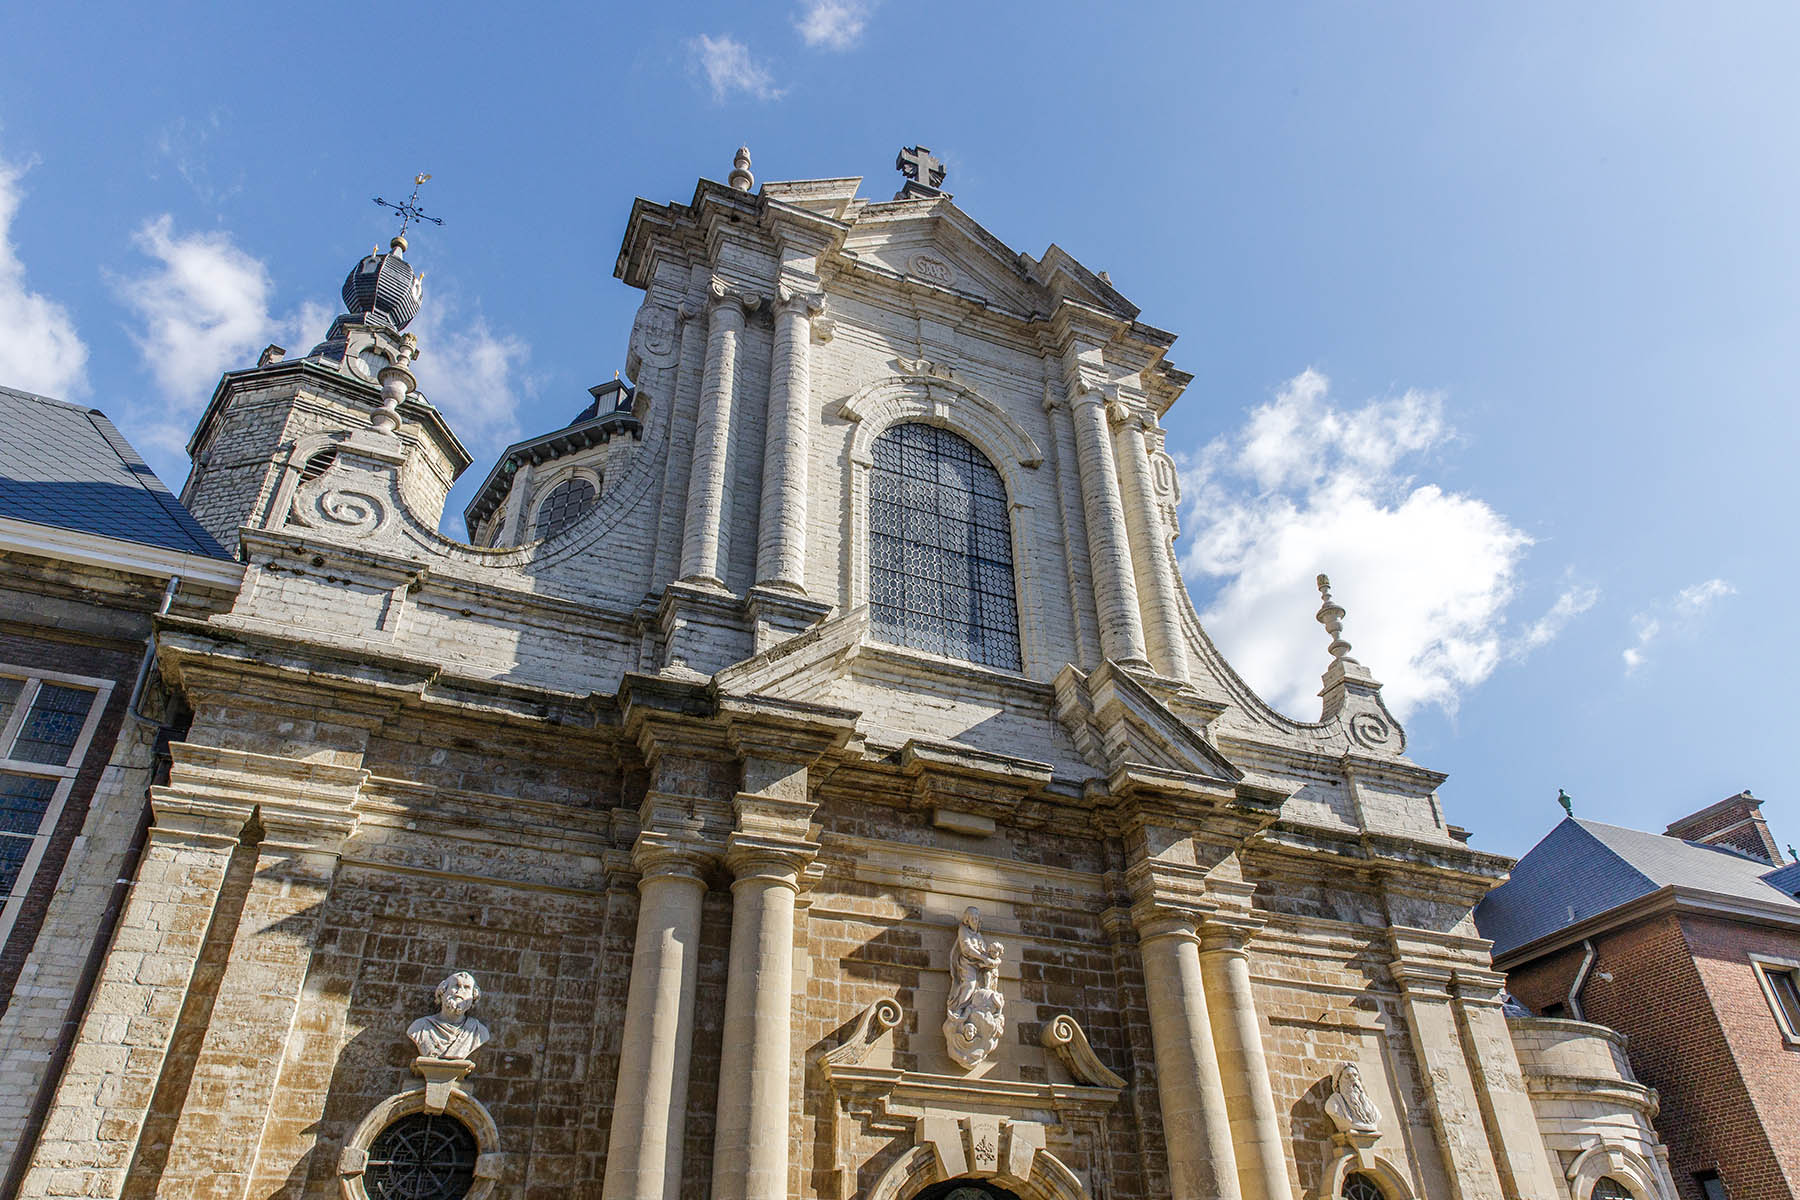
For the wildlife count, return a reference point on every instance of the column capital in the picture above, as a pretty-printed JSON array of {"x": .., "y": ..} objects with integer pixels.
[
  {"x": 1228, "y": 932},
  {"x": 723, "y": 296},
  {"x": 1422, "y": 980},
  {"x": 1476, "y": 986},
  {"x": 793, "y": 301},
  {"x": 769, "y": 860},
  {"x": 661, "y": 855}
]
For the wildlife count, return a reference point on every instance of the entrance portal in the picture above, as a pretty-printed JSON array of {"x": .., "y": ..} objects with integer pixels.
[{"x": 965, "y": 1189}]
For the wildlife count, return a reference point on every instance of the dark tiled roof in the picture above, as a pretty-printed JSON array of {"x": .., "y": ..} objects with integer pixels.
[
  {"x": 67, "y": 467},
  {"x": 1583, "y": 869},
  {"x": 1786, "y": 878}
]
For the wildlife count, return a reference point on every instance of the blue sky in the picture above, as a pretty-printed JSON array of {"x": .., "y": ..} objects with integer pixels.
[{"x": 1492, "y": 309}]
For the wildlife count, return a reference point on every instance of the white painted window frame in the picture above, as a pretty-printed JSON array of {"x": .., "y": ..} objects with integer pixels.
[
  {"x": 1763, "y": 964},
  {"x": 35, "y": 678}
]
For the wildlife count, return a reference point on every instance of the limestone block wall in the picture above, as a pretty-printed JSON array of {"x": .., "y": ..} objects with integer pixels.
[{"x": 1595, "y": 1117}]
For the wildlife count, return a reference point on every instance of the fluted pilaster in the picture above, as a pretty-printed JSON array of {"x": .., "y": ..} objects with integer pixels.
[
  {"x": 1155, "y": 576},
  {"x": 781, "y": 538},
  {"x": 704, "y": 542},
  {"x": 1109, "y": 548}
]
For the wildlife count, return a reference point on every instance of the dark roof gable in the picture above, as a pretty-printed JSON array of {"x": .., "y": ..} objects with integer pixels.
[{"x": 68, "y": 467}]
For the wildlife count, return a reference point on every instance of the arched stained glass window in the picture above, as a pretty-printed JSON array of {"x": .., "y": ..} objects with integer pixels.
[
  {"x": 1608, "y": 1188},
  {"x": 1358, "y": 1186},
  {"x": 423, "y": 1156},
  {"x": 940, "y": 548},
  {"x": 563, "y": 506}
]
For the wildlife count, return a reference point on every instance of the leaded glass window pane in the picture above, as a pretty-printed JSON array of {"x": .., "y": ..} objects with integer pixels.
[
  {"x": 564, "y": 506},
  {"x": 1360, "y": 1187},
  {"x": 1608, "y": 1188},
  {"x": 23, "y": 801},
  {"x": 940, "y": 548},
  {"x": 424, "y": 1156},
  {"x": 9, "y": 697},
  {"x": 12, "y": 860},
  {"x": 52, "y": 727}
]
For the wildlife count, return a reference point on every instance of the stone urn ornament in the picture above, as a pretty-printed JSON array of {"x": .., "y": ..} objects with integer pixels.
[
  {"x": 975, "y": 1016},
  {"x": 446, "y": 1038}
]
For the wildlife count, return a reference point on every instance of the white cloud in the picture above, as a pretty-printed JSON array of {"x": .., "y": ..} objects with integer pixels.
[
  {"x": 204, "y": 307},
  {"x": 833, "y": 24},
  {"x": 1307, "y": 486},
  {"x": 728, "y": 68},
  {"x": 40, "y": 351},
  {"x": 472, "y": 375},
  {"x": 1681, "y": 614},
  {"x": 1697, "y": 599},
  {"x": 1574, "y": 600}
]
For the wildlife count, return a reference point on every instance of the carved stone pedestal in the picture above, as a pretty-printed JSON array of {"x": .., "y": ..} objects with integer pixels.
[{"x": 440, "y": 1076}]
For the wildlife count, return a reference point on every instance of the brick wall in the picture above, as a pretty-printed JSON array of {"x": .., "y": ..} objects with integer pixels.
[{"x": 1701, "y": 1034}]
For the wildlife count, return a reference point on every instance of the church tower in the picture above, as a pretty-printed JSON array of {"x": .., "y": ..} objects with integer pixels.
[
  {"x": 281, "y": 423},
  {"x": 811, "y": 779}
]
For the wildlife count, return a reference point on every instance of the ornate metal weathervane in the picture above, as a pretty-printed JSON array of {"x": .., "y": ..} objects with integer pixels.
[{"x": 409, "y": 209}]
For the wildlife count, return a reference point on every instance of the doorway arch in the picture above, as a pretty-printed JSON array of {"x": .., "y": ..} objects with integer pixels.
[{"x": 917, "y": 1173}]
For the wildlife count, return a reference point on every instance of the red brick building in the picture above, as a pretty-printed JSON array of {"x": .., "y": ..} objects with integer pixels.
[{"x": 1688, "y": 942}]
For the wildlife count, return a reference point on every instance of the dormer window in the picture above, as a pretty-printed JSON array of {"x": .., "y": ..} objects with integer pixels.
[
  {"x": 940, "y": 548},
  {"x": 564, "y": 506}
]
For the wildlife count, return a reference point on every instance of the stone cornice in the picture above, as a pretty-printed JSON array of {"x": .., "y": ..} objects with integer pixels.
[{"x": 301, "y": 804}]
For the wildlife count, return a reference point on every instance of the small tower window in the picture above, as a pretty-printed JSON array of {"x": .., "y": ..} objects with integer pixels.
[
  {"x": 564, "y": 506},
  {"x": 940, "y": 548},
  {"x": 423, "y": 1156}
]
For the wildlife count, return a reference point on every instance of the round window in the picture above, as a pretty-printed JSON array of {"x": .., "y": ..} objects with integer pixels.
[
  {"x": 1608, "y": 1188},
  {"x": 424, "y": 1156},
  {"x": 1358, "y": 1186}
]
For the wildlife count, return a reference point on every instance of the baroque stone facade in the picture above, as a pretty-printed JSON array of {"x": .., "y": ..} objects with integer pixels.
[{"x": 701, "y": 787}]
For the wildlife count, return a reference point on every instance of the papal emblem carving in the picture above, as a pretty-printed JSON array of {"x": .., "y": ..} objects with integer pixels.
[
  {"x": 975, "y": 1016},
  {"x": 653, "y": 335}
]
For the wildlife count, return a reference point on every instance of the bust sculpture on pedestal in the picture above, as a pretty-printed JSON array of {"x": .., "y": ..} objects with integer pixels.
[
  {"x": 451, "y": 1033},
  {"x": 447, "y": 1038},
  {"x": 975, "y": 1015}
]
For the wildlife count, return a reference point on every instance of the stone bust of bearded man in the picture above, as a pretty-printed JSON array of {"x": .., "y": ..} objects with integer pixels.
[{"x": 451, "y": 1032}]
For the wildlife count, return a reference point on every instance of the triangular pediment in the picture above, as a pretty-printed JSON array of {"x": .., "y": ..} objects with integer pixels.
[
  {"x": 933, "y": 241},
  {"x": 1117, "y": 722}
]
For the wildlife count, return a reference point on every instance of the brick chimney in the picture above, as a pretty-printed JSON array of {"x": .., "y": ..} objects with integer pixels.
[{"x": 1735, "y": 822}]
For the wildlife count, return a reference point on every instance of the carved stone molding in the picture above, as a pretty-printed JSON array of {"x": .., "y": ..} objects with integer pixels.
[
  {"x": 448, "y": 1097},
  {"x": 1064, "y": 1035},
  {"x": 874, "y": 1021}
]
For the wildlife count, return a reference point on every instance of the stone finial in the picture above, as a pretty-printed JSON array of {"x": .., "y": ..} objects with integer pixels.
[
  {"x": 271, "y": 354},
  {"x": 451, "y": 1033},
  {"x": 1331, "y": 616},
  {"x": 975, "y": 1016},
  {"x": 740, "y": 177}
]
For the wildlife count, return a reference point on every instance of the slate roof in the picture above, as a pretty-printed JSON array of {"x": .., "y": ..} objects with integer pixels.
[
  {"x": 68, "y": 467},
  {"x": 1582, "y": 869}
]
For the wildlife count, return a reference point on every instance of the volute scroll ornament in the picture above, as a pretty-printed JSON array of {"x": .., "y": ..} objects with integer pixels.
[
  {"x": 1063, "y": 1034},
  {"x": 975, "y": 1016}
]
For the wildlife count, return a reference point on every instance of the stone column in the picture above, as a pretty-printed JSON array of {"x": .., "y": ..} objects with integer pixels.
[
  {"x": 1454, "y": 1107},
  {"x": 750, "y": 1156},
  {"x": 1256, "y": 1131},
  {"x": 767, "y": 851},
  {"x": 1109, "y": 549},
  {"x": 781, "y": 538},
  {"x": 1506, "y": 1107},
  {"x": 1150, "y": 549},
  {"x": 104, "y": 1096},
  {"x": 704, "y": 541},
  {"x": 1196, "y": 1126},
  {"x": 232, "y": 1096},
  {"x": 643, "y": 1152}
]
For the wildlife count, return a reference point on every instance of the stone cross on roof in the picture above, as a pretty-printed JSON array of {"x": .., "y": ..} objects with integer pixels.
[{"x": 918, "y": 164}]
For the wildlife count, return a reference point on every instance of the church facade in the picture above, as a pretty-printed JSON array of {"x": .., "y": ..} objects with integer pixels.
[{"x": 811, "y": 780}]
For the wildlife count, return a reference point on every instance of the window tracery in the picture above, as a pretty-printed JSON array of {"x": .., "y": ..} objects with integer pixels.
[
  {"x": 940, "y": 548},
  {"x": 421, "y": 1156},
  {"x": 565, "y": 505},
  {"x": 1358, "y": 1186}
]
